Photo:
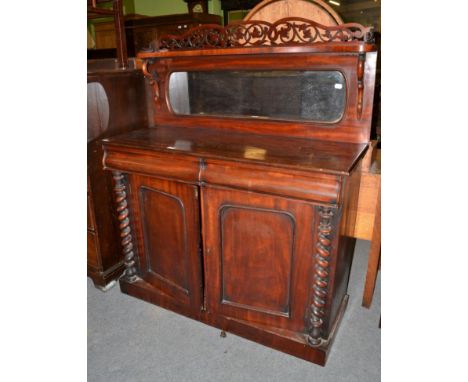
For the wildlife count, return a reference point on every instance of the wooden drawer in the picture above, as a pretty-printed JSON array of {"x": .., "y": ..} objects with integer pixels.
[
  {"x": 296, "y": 184},
  {"x": 93, "y": 252},
  {"x": 164, "y": 165}
]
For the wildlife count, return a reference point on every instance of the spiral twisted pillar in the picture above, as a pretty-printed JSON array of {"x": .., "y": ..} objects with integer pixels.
[
  {"x": 321, "y": 276},
  {"x": 130, "y": 274}
]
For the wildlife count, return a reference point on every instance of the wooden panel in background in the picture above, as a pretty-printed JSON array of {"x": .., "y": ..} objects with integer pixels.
[
  {"x": 316, "y": 10},
  {"x": 105, "y": 35},
  {"x": 368, "y": 192},
  {"x": 368, "y": 195}
]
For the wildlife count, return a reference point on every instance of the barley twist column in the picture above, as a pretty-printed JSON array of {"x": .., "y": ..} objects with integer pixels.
[
  {"x": 130, "y": 274},
  {"x": 321, "y": 276}
]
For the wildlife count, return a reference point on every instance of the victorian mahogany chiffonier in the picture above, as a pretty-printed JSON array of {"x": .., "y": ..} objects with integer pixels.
[{"x": 233, "y": 209}]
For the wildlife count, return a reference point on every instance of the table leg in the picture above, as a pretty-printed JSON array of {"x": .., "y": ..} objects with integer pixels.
[{"x": 374, "y": 259}]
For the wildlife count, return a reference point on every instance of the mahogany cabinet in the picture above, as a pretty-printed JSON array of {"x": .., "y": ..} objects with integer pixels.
[
  {"x": 253, "y": 247},
  {"x": 234, "y": 209}
]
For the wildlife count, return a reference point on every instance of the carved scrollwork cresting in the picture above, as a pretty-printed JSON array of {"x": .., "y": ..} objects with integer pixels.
[
  {"x": 287, "y": 31},
  {"x": 130, "y": 274},
  {"x": 153, "y": 79},
  {"x": 321, "y": 276},
  {"x": 360, "y": 79}
]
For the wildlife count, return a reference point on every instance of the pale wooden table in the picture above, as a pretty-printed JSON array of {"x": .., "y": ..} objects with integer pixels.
[{"x": 367, "y": 225}]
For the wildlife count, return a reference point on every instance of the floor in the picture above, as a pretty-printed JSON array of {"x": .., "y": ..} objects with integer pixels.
[{"x": 131, "y": 340}]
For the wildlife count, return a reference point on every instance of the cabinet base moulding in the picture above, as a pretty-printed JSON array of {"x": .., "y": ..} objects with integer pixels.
[
  {"x": 286, "y": 341},
  {"x": 105, "y": 281}
]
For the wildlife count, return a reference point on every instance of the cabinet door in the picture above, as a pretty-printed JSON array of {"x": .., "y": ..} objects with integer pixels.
[
  {"x": 168, "y": 238},
  {"x": 258, "y": 257}
]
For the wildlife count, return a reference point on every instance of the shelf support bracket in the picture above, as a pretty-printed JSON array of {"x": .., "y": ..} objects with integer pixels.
[
  {"x": 153, "y": 79},
  {"x": 360, "y": 82}
]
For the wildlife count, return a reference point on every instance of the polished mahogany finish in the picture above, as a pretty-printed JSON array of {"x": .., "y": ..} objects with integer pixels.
[
  {"x": 241, "y": 223},
  {"x": 167, "y": 216},
  {"x": 261, "y": 220},
  {"x": 292, "y": 153}
]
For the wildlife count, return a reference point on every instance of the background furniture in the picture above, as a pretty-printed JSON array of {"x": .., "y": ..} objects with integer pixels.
[
  {"x": 117, "y": 103},
  {"x": 272, "y": 10},
  {"x": 236, "y": 5},
  {"x": 367, "y": 210},
  {"x": 239, "y": 220},
  {"x": 368, "y": 217},
  {"x": 140, "y": 30},
  {"x": 374, "y": 258},
  {"x": 117, "y": 13}
]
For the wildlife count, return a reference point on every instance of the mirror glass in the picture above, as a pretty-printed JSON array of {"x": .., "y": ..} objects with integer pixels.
[
  {"x": 317, "y": 96},
  {"x": 98, "y": 110}
]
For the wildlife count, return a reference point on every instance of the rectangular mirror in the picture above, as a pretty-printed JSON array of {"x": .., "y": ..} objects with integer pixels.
[{"x": 316, "y": 96}]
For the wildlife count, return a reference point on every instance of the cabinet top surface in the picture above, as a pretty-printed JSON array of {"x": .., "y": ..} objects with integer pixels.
[{"x": 295, "y": 153}]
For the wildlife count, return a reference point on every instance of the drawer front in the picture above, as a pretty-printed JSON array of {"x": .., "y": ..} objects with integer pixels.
[
  {"x": 93, "y": 250},
  {"x": 308, "y": 186},
  {"x": 164, "y": 165}
]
